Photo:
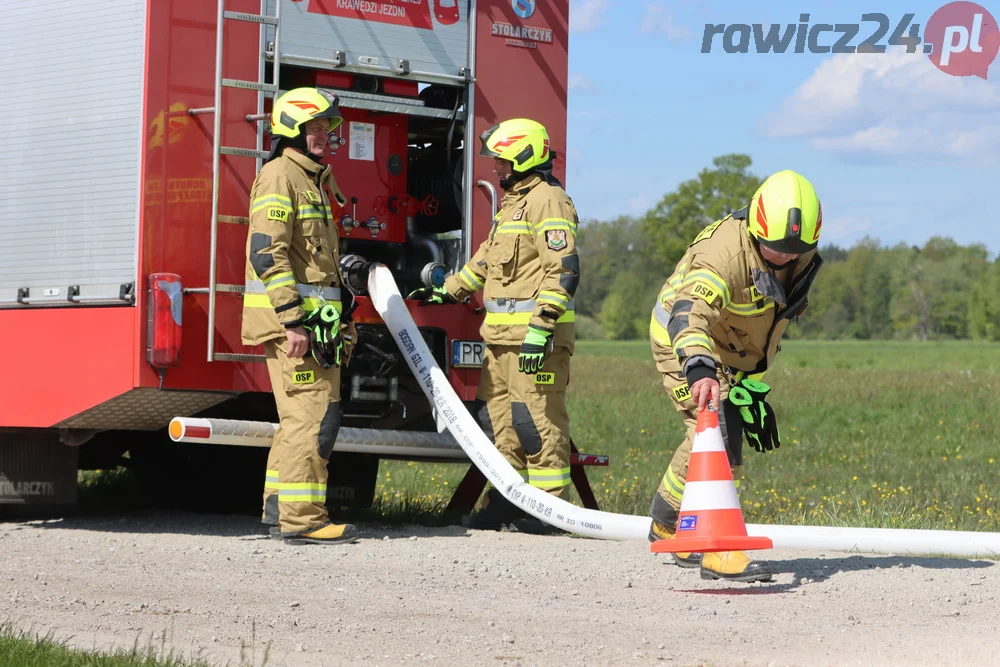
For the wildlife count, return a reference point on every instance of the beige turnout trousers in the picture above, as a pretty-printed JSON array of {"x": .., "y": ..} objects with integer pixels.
[
  {"x": 671, "y": 487},
  {"x": 308, "y": 401},
  {"x": 528, "y": 413}
]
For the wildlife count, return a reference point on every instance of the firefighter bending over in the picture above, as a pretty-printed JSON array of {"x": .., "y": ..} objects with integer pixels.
[
  {"x": 529, "y": 271},
  {"x": 293, "y": 307},
  {"x": 715, "y": 330}
]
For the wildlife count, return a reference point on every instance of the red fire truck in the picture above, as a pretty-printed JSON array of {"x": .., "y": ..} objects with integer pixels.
[{"x": 136, "y": 128}]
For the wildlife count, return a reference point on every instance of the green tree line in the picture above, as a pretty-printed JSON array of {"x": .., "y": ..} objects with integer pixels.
[{"x": 868, "y": 291}]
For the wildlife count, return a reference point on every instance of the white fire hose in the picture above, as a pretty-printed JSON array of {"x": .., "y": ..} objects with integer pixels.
[
  {"x": 607, "y": 525},
  {"x": 580, "y": 520}
]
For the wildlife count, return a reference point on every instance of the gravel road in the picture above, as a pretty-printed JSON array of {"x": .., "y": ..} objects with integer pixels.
[{"x": 214, "y": 586}]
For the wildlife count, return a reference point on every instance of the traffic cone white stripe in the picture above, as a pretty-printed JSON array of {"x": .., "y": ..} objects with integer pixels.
[
  {"x": 709, "y": 440},
  {"x": 701, "y": 496}
]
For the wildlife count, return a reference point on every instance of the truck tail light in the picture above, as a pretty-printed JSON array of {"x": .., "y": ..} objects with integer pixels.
[{"x": 165, "y": 306}]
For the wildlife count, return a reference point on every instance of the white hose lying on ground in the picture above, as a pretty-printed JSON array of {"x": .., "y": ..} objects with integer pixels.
[
  {"x": 607, "y": 525},
  {"x": 580, "y": 520}
]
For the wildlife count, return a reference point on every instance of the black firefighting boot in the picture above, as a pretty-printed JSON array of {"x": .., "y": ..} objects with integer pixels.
[
  {"x": 498, "y": 513},
  {"x": 270, "y": 517},
  {"x": 330, "y": 533},
  {"x": 734, "y": 566},
  {"x": 534, "y": 526},
  {"x": 663, "y": 526}
]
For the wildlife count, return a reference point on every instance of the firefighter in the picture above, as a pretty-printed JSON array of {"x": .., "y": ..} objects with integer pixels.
[
  {"x": 529, "y": 270},
  {"x": 292, "y": 306},
  {"x": 715, "y": 329}
]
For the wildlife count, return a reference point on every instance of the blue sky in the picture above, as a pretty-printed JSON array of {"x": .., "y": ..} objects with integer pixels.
[{"x": 896, "y": 149}]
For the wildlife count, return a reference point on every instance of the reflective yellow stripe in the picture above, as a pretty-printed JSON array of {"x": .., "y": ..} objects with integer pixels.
[
  {"x": 307, "y": 212},
  {"x": 673, "y": 485},
  {"x": 555, "y": 298},
  {"x": 550, "y": 224},
  {"x": 272, "y": 201},
  {"x": 308, "y": 303},
  {"x": 470, "y": 279},
  {"x": 279, "y": 280},
  {"x": 511, "y": 228},
  {"x": 693, "y": 340},
  {"x": 524, "y": 318},
  {"x": 271, "y": 479},
  {"x": 658, "y": 333},
  {"x": 301, "y": 492},
  {"x": 749, "y": 308},
  {"x": 549, "y": 479}
]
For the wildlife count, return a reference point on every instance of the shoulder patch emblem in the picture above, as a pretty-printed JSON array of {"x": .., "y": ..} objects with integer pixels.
[
  {"x": 518, "y": 214},
  {"x": 681, "y": 393},
  {"x": 555, "y": 239},
  {"x": 313, "y": 197}
]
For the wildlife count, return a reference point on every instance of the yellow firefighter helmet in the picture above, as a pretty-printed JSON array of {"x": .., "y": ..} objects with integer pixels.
[
  {"x": 524, "y": 142},
  {"x": 785, "y": 214},
  {"x": 301, "y": 105}
]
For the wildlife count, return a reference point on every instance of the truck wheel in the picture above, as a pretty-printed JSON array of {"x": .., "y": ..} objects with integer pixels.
[{"x": 216, "y": 479}]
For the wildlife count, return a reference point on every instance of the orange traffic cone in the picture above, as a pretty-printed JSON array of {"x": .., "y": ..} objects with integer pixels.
[{"x": 710, "y": 517}]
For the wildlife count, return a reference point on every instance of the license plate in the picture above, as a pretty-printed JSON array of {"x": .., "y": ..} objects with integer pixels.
[{"x": 467, "y": 353}]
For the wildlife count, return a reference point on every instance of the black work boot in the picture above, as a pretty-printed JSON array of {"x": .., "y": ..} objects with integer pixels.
[
  {"x": 534, "y": 526},
  {"x": 497, "y": 514},
  {"x": 270, "y": 517}
]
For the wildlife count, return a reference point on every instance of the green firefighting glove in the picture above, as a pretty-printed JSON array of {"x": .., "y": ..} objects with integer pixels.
[
  {"x": 533, "y": 351},
  {"x": 758, "y": 421},
  {"x": 431, "y": 296},
  {"x": 325, "y": 340}
]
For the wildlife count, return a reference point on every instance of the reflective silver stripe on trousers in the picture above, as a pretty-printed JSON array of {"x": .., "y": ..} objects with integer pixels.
[
  {"x": 661, "y": 315},
  {"x": 515, "y": 306},
  {"x": 306, "y": 291}
]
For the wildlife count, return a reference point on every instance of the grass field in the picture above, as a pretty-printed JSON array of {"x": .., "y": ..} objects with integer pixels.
[
  {"x": 882, "y": 434},
  {"x": 23, "y": 649}
]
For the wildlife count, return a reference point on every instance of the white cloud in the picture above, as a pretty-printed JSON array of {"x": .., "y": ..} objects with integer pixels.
[
  {"x": 582, "y": 83},
  {"x": 660, "y": 20},
  {"x": 639, "y": 204},
  {"x": 587, "y": 15},
  {"x": 892, "y": 106}
]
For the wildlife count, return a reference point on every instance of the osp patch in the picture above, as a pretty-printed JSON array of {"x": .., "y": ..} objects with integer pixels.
[
  {"x": 545, "y": 378},
  {"x": 304, "y": 377},
  {"x": 705, "y": 291}
]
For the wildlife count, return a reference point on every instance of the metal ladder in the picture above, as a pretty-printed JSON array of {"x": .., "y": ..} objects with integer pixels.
[{"x": 218, "y": 150}]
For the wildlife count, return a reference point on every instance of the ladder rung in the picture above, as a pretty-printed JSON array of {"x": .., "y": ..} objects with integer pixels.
[
  {"x": 225, "y": 356},
  {"x": 252, "y": 18},
  {"x": 231, "y": 289},
  {"x": 250, "y": 85},
  {"x": 235, "y": 219},
  {"x": 243, "y": 152}
]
